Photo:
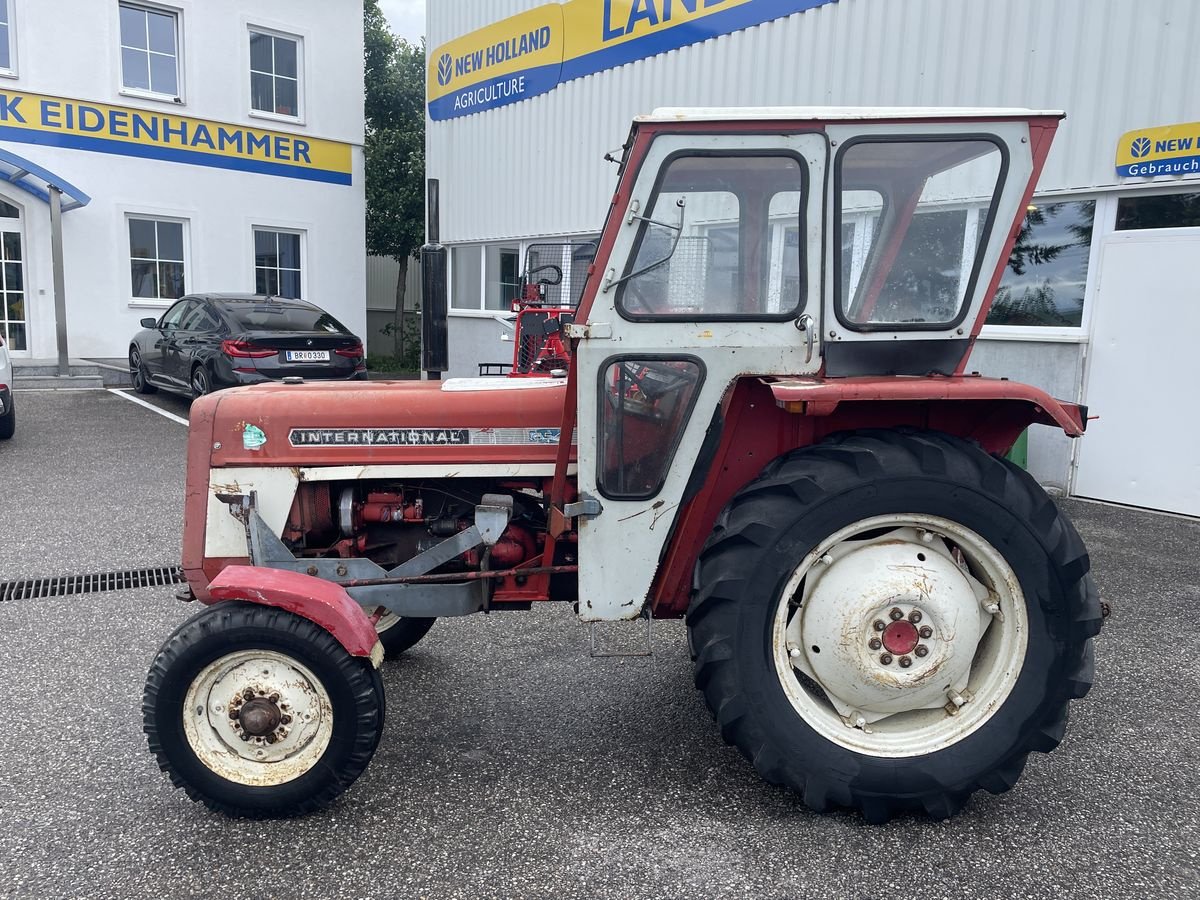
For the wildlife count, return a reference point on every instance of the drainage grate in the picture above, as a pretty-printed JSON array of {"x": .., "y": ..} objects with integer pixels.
[{"x": 64, "y": 585}]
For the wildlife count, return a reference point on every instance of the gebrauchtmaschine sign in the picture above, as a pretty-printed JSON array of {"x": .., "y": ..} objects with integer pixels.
[
  {"x": 533, "y": 52},
  {"x": 82, "y": 125},
  {"x": 1166, "y": 150}
]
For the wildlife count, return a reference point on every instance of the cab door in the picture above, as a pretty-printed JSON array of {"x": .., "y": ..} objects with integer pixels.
[{"x": 715, "y": 274}]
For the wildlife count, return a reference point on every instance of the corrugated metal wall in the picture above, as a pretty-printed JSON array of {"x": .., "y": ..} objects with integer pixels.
[{"x": 536, "y": 168}]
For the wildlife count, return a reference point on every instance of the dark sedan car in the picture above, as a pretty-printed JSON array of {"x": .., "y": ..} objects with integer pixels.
[{"x": 210, "y": 341}]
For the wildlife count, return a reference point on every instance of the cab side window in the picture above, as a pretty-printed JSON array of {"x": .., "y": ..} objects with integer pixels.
[{"x": 719, "y": 240}]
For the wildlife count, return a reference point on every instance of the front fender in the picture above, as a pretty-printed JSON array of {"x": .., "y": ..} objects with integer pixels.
[{"x": 322, "y": 602}]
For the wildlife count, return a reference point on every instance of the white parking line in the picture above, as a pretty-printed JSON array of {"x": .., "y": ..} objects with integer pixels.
[{"x": 150, "y": 406}]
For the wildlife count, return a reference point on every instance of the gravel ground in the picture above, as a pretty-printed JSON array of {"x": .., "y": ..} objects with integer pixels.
[{"x": 512, "y": 764}]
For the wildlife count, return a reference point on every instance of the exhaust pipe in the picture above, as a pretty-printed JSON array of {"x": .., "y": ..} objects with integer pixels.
[{"x": 435, "y": 307}]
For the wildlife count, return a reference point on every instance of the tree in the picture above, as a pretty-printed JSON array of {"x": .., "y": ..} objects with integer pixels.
[{"x": 394, "y": 75}]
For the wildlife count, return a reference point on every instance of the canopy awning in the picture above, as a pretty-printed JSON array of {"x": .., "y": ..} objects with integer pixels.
[{"x": 33, "y": 179}]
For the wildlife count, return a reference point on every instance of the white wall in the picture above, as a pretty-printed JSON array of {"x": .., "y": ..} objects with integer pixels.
[
  {"x": 80, "y": 61},
  {"x": 536, "y": 167}
]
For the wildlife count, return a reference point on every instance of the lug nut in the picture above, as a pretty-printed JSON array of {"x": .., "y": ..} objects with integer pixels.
[
  {"x": 896, "y": 614},
  {"x": 921, "y": 650},
  {"x": 905, "y": 662},
  {"x": 874, "y": 643},
  {"x": 886, "y": 659},
  {"x": 274, "y": 698},
  {"x": 879, "y": 625},
  {"x": 926, "y": 631},
  {"x": 233, "y": 714},
  {"x": 248, "y": 693},
  {"x": 914, "y": 616},
  {"x": 285, "y": 720}
]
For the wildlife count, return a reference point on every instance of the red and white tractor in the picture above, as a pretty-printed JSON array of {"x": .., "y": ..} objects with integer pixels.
[{"x": 765, "y": 426}]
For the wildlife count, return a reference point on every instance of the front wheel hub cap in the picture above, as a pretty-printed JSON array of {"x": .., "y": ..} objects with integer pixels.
[
  {"x": 260, "y": 716},
  {"x": 899, "y": 579}
]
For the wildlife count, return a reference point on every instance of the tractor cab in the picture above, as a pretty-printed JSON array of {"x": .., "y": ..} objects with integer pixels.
[{"x": 797, "y": 247}]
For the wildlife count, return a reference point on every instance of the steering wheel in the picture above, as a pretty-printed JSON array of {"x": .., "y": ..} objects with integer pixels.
[
  {"x": 555, "y": 274},
  {"x": 654, "y": 381}
]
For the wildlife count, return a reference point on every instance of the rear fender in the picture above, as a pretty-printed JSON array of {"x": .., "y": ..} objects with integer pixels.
[{"x": 322, "y": 602}]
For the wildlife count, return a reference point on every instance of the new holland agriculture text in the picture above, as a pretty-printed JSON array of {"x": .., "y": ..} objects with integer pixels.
[{"x": 535, "y": 51}]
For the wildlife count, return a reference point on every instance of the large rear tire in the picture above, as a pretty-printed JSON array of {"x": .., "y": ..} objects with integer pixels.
[
  {"x": 892, "y": 620},
  {"x": 257, "y": 712}
]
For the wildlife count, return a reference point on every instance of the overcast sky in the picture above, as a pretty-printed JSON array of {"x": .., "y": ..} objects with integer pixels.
[{"x": 407, "y": 17}]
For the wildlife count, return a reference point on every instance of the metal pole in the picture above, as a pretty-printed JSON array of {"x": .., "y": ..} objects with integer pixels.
[{"x": 60, "y": 296}]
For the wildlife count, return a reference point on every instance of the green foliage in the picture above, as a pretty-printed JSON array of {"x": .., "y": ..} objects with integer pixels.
[
  {"x": 409, "y": 359},
  {"x": 395, "y": 138}
]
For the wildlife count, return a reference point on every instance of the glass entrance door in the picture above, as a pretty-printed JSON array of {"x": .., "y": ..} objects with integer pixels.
[{"x": 14, "y": 324}]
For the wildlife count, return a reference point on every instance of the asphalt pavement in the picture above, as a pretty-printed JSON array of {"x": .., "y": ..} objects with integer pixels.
[{"x": 512, "y": 764}]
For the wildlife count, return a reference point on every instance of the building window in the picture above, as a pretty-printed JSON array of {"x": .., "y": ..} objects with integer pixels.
[
  {"x": 275, "y": 74},
  {"x": 1158, "y": 211},
  {"x": 277, "y": 263},
  {"x": 8, "y": 56},
  {"x": 156, "y": 258},
  {"x": 466, "y": 277},
  {"x": 1044, "y": 281},
  {"x": 503, "y": 268},
  {"x": 150, "y": 50}
]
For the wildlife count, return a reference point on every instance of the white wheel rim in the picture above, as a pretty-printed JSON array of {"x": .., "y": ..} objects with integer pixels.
[
  {"x": 962, "y": 624},
  {"x": 386, "y": 619},
  {"x": 224, "y": 711}
]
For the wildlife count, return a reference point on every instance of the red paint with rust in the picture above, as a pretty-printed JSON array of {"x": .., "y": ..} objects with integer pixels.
[
  {"x": 757, "y": 428},
  {"x": 322, "y": 602},
  {"x": 822, "y": 396},
  {"x": 399, "y": 405}
]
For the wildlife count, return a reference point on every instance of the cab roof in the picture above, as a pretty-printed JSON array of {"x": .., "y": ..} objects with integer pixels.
[{"x": 839, "y": 113}]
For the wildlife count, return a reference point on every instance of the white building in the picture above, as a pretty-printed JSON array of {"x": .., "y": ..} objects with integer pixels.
[
  {"x": 525, "y": 97},
  {"x": 218, "y": 141}
]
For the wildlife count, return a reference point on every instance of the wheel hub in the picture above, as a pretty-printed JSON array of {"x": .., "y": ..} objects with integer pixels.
[
  {"x": 889, "y": 624},
  {"x": 259, "y": 716},
  {"x": 901, "y": 637}
]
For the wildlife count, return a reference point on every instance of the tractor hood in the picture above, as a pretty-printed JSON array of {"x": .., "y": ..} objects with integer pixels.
[{"x": 374, "y": 423}]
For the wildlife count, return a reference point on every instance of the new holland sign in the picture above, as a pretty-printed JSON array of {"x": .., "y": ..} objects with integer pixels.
[
  {"x": 81, "y": 125},
  {"x": 535, "y": 51},
  {"x": 1166, "y": 150}
]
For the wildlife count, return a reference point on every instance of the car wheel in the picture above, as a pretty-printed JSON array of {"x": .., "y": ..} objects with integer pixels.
[
  {"x": 258, "y": 712},
  {"x": 138, "y": 374},
  {"x": 201, "y": 383},
  {"x": 890, "y": 621},
  {"x": 8, "y": 423}
]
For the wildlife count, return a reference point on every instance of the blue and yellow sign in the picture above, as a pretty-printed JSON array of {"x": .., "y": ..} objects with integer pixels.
[
  {"x": 532, "y": 53},
  {"x": 1166, "y": 150},
  {"x": 81, "y": 125}
]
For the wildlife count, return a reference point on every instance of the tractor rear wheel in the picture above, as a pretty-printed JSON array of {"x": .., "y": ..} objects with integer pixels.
[
  {"x": 257, "y": 712},
  {"x": 892, "y": 620}
]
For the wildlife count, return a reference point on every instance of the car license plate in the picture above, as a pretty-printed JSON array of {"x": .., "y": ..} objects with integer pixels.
[{"x": 307, "y": 355}]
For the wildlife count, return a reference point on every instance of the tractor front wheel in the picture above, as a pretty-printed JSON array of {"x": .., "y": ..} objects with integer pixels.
[
  {"x": 258, "y": 712},
  {"x": 892, "y": 620}
]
